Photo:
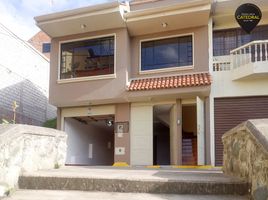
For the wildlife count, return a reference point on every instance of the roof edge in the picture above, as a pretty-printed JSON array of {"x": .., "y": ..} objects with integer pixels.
[{"x": 77, "y": 11}]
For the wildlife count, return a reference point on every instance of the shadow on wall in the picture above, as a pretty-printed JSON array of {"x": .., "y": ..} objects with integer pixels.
[{"x": 33, "y": 109}]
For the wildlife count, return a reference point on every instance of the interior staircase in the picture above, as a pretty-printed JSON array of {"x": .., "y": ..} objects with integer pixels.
[{"x": 189, "y": 151}]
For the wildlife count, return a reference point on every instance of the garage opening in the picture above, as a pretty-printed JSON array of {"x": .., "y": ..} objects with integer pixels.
[
  {"x": 189, "y": 135},
  {"x": 90, "y": 140},
  {"x": 161, "y": 134}
]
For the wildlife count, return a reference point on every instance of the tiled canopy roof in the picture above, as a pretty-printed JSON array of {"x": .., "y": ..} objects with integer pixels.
[{"x": 188, "y": 80}]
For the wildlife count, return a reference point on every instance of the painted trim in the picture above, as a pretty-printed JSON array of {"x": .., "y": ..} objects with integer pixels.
[
  {"x": 169, "y": 69},
  {"x": 212, "y": 129},
  {"x": 88, "y": 111},
  {"x": 120, "y": 164},
  {"x": 86, "y": 78}
]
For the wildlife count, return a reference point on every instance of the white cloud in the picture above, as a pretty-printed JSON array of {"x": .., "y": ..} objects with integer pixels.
[{"x": 17, "y": 15}]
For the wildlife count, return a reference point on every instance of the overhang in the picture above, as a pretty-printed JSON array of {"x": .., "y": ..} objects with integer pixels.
[
  {"x": 176, "y": 15},
  {"x": 87, "y": 19}
]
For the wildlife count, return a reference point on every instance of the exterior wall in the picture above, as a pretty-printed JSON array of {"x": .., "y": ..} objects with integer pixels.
[
  {"x": 80, "y": 136},
  {"x": 122, "y": 139},
  {"x": 38, "y": 40},
  {"x": 24, "y": 77},
  {"x": 176, "y": 134},
  {"x": 141, "y": 134},
  {"x": 223, "y": 86},
  {"x": 200, "y": 54},
  {"x": 26, "y": 148},
  {"x": 94, "y": 91}
]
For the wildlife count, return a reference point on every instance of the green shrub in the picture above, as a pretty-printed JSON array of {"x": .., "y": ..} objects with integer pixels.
[{"x": 51, "y": 123}]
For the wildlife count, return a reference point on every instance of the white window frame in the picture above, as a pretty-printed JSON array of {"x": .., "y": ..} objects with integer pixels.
[
  {"x": 168, "y": 69},
  {"x": 86, "y": 78}
]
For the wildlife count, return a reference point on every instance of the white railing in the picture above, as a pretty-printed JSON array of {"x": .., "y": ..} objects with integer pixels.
[
  {"x": 221, "y": 63},
  {"x": 255, "y": 51},
  {"x": 221, "y": 66}
]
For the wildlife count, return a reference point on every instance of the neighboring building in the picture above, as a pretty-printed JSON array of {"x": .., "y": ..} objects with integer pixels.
[
  {"x": 148, "y": 67},
  {"x": 42, "y": 42},
  {"x": 24, "y": 78}
]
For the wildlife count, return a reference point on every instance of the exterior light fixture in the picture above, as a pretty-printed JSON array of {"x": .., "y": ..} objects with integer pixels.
[
  {"x": 109, "y": 122},
  {"x": 164, "y": 24},
  {"x": 83, "y": 26}
]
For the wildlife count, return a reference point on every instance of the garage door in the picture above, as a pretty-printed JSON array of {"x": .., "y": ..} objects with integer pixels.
[{"x": 230, "y": 112}]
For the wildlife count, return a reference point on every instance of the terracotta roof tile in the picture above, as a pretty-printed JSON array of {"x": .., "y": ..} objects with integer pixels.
[{"x": 188, "y": 80}]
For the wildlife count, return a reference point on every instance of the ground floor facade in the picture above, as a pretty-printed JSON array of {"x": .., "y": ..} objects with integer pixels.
[
  {"x": 178, "y": 125},
  {"x": 164, "y": 132}
]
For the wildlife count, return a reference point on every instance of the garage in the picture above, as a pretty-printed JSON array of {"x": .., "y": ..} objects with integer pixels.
[
  {"x": 90, "y": 140},
  {"x": 230, "y": 112}
]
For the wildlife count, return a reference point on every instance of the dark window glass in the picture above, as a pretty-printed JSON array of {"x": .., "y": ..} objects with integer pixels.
[
  {"x": 46, "y": 48},
  {"x": 226, "y": 40},
  {"x": 166, "y": 53},
  {"x": 87, "y": 58}
]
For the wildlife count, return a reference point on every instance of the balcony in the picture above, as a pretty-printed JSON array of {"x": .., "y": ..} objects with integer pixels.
[{"x": 249, "y": 61}]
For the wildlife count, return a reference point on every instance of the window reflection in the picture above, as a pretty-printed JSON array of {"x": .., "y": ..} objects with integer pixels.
[
  {"x": 166, "y": 53},
  {"x": 87, "y": 58}
]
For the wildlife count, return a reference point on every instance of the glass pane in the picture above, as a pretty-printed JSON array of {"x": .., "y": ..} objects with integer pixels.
[
  {"x": 166, "y": 53},
  {"x": 226, "y": 40},
  {"x": 87, "y": 58}
]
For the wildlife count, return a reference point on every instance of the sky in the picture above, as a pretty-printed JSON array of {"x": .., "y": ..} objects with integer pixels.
[{"x": 17, "y": 15}]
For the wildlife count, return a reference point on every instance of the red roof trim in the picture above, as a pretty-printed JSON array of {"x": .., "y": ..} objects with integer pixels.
[{"x": 188, "y": 80}]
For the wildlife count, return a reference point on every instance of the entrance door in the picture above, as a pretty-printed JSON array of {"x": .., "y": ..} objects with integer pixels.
[{"x": 200, "y": 131}]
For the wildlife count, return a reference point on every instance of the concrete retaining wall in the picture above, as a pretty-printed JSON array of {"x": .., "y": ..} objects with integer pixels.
[
  {"x": 246, "y": 155},
  {"x": 25, "y": 148}
]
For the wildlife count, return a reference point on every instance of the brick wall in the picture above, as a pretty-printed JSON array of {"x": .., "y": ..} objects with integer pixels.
[{"x": 37, "y": 42}]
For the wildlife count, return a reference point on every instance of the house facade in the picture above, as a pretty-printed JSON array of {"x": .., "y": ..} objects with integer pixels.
[{"x": 134, "y": 82}]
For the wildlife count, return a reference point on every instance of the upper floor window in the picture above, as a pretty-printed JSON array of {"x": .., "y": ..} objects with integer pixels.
[
  {"x": 167, "y": 53},
  {"x": 46, "y": 48},
  {"x": 91, "y": 57},
  {"x": 226, "y": 40}
]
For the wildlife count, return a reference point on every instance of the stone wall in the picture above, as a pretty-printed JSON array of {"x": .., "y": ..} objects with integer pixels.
[
  {"x": 25, "y": 148},
  {"x": 246, "y": 155}
]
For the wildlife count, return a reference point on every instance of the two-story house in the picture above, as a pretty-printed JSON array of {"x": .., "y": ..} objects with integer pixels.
[{"x": 132, "y": 81}]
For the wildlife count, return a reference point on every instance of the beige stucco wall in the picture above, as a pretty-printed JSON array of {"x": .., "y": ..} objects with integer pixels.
[
  {"x": 224, "y": 86},
  {"x": 113, "y": 90},
  {"x": 200, "y": 47},
  {"x": 93, "y": 91}
]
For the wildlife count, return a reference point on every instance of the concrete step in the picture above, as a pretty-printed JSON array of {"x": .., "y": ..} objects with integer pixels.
[
  {"x": 78, "y": 195},
  {"x": 167, "y": 181}
]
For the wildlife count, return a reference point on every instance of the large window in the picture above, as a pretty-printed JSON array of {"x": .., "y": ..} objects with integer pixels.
[
  {"x": 167, "y": 53},
  {"x": 92, "y": 57},
  {"x": 226, "y": 40}
]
